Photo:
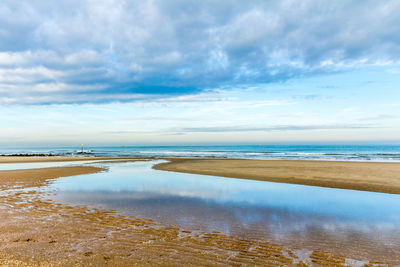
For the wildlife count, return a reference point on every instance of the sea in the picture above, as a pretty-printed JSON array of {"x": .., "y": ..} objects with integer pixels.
[{"x": 380, "y": 153}]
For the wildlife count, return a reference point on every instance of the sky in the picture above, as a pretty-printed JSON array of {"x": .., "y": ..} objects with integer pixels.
[{"x": 119, "y": 72}]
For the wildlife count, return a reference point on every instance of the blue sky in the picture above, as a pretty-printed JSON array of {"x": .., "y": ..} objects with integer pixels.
[{"x": 176, "y": 72}]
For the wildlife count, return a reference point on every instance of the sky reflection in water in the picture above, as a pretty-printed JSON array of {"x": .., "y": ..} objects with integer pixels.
[{"x": 365, "y": 222}]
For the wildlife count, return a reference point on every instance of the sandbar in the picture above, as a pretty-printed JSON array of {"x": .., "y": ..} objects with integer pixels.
[
  {"x": 39, "y": 177},
  {"x": 381, "y": 177}
]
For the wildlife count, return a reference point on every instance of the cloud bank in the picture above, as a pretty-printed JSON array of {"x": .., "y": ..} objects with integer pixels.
[
  {"x": 272, "y": 128},
  {"x": 119, "y": 50}
]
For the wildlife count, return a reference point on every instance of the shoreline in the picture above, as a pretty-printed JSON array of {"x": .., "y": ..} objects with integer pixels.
[
  {"x": 37, "y": 231},
  {"x": 51, "y": 158},
  {"x": 38, "y": 177},
  {"x": 32, "y": 159},
  {"x": 379, "y": 177}
]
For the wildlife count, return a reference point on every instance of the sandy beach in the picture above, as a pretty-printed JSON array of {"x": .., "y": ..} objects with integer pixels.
[
  {"x": 37, "y": 231},
  {"x": 366, "y": 176},
  {"x": 200, "y": 133}
]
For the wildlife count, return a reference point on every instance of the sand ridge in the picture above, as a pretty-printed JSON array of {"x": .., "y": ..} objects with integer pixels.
[
  {"x": 381, "y": 177},
  {"x": 39, "y": 177}
]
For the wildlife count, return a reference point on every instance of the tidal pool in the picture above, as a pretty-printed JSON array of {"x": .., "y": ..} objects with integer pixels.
[
  {"x": 38, "y": 165},
  {"x": 357, "y": 224}
]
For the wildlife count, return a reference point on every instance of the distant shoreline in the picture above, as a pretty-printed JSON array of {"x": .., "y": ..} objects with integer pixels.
[
  {"x": 32, "y": 159},
  {"x": 354, "y": 153}
]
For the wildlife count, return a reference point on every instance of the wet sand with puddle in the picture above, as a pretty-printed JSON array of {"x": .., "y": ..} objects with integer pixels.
[{"x": 36, "y": 231}]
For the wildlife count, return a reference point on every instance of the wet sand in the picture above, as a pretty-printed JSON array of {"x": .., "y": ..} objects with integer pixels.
[
  {"x": 37, "y": 231},
  {"x": 366, "y": 176},
  {"x": 38, "y": 177}
]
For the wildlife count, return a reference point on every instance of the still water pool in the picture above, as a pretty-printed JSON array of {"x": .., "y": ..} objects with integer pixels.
[{"x": 355, "y": 223}]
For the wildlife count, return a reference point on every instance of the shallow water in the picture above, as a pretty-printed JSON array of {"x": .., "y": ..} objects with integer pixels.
[
  {"x": 37, "y": 165},
  {"x": 354, "y": 223}
]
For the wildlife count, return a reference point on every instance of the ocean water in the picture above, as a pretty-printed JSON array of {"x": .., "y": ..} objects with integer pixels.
[{"x": 295, "y": 152}]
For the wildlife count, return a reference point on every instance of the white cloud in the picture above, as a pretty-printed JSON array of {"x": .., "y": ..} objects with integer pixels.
[
  {"x": 394, "y": 71},
  {"x": 183, "y": 47}
]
